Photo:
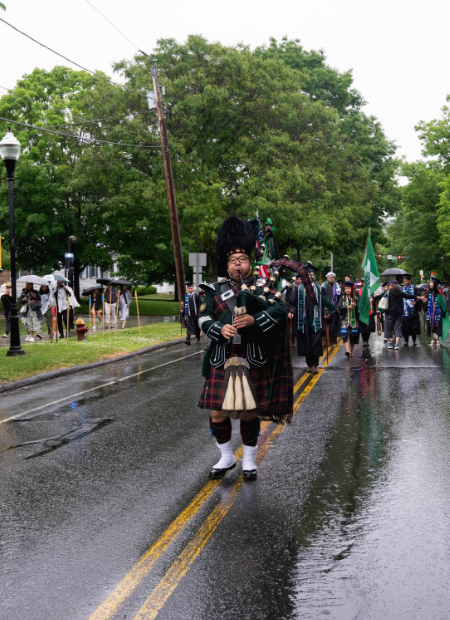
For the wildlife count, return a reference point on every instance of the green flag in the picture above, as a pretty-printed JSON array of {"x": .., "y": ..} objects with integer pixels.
[{"x": 371, "y": 282}]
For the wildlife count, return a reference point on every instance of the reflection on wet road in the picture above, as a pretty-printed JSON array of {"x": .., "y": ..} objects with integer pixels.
[{"x": 348, "y": 518}]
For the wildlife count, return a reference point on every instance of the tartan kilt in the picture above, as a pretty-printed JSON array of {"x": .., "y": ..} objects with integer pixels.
[{"x": 212, "y": 396}]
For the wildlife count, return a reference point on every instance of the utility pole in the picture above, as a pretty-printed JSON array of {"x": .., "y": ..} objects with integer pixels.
[
  {"x": 331, "y": 261},
  {"x": 171, "y": 199}
]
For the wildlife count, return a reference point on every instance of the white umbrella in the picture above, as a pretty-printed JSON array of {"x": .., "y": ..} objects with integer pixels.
[
  {"x": 52, "y": 277},
  {"x": 33, "y": 280}
]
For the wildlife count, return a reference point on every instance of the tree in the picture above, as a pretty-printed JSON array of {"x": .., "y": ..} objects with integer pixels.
[
  {"x": 274, "y": 130},
  {"x": 415, "y": 233},
  {"x": 258, "y": 130},
  {"x": 66, "y": 186}
]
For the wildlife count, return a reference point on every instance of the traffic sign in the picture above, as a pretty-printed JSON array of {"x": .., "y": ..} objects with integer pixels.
[{"x": 197, "y": 260}]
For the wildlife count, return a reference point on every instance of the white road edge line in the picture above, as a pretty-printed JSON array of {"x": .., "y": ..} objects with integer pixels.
[{"x": 99, "y": 387}]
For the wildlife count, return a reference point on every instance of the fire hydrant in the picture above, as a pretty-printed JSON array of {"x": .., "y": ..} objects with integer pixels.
[{"x": 81, "y": 329}]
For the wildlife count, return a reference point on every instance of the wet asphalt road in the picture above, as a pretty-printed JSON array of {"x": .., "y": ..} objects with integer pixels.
[{"x": 348, "y": 519}]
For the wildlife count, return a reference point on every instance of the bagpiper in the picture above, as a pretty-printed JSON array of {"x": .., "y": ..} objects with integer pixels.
[{"x": 247, "y": 367}]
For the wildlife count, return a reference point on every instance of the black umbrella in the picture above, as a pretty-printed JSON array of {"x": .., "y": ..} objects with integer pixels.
[
  {"x": 90, "y": 289},
  {"x": 120, "y": 282},
  {"x": 103, "y": 280},
  {"x": 394, "y": 271}
]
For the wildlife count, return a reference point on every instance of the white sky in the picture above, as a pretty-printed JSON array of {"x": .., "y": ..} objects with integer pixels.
[{"x": 398, "y": 49}]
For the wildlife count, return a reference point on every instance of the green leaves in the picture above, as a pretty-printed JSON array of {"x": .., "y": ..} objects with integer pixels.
[{"x": 274, "y": 130}]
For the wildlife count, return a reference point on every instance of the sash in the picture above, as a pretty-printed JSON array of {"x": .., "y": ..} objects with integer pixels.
[
  {"x": 186, "y": 304},
  {"x": 407, "y": 309},
  {"x": 350, "y": 320},
  {"x": 317, "y": 317},
  {"x": 433, "y": 311}
]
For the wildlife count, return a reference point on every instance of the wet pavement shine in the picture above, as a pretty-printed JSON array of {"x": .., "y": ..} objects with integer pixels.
[{"x": 106, "y": 511}]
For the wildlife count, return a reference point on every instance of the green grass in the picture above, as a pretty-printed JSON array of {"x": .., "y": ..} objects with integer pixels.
[
  {"x": 45, "y": 356},
  {"x": 146, "y": 308},
  {"x": 159, "y": 297}
]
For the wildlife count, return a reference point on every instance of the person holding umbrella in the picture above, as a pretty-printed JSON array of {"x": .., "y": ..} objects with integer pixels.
[
  {"x": 124, "y": 302},
  {"x": 7, "y": 301},
  {"x": 31, "y": 311},
  {"x": 110, "y": 304},
  {"x": 62, "y": 292}
]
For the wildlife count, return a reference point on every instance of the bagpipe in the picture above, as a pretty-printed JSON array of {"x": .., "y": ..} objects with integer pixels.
[{"x": 239, "y": 396}]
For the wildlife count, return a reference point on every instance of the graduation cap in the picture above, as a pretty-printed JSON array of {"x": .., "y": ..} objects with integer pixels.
[
  {"x": 352, "y": 284},
  {"x": 434, "y": 279},
  {"x": 188, "y": 284}
]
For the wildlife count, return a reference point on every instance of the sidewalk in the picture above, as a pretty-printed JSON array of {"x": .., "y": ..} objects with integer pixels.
[{"x": 132, "y": 321}]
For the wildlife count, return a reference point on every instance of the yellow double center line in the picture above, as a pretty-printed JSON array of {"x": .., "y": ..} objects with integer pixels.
[{"x": 115, "y": 600}]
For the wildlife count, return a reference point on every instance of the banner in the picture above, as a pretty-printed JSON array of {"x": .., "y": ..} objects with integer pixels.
[{"x": 371, "y": 282}]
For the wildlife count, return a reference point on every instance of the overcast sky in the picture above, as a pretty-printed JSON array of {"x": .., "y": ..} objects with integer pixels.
[{"x": 397, "y": 49}]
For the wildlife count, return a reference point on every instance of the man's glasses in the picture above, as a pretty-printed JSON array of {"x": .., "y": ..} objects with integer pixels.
[{"x": 239, "y": 259}]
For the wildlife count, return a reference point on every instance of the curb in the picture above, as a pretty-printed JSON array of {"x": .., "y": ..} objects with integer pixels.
[{"x": 54, "y": 374}]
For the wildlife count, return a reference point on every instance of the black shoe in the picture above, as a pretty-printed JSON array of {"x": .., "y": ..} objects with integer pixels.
[
  {"x": 406, "y": 344},
  {"x": 250, "y": 474},
  {"x": 347, "y": 354},
  {"x": 216, "y": 474},
  {"x": 187, "y": 342},
  {"x": 39, "y": 336},
  {"x": 414, "y": 344}
]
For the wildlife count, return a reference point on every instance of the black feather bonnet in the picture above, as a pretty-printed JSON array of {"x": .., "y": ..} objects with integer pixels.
[{"x": 235, "y": 235}]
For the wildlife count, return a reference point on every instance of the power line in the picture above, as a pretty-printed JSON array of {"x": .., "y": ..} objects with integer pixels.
[
  {"x": 115, "y": 27},
  {"x": 72, "y": 61},
  {"x": 68, "y": 135},
  {"x": 7, "y": 89}
]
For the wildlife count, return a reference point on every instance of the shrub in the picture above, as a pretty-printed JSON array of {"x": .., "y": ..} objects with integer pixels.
[{"x": 145, "y": 290}]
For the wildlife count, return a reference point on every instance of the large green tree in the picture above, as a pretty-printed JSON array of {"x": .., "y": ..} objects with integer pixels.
[
  {"x": 414, "y": 234},
  {"x": 421, "y": 232},
  {"x": 274, "y": 130}
]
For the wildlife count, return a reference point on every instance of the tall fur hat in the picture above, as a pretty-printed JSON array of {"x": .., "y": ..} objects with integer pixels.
[{"x": 235, "y": 235}]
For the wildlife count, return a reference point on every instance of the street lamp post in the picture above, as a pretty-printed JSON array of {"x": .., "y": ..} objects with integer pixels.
[{"x": 10, "y": 152}]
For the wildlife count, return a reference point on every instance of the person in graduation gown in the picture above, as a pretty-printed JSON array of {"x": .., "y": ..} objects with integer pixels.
[
  {"x": 333, "y": 291},
  {"x": 436, "y": 313},
  {"x": 384, "y": 287},
  {"x": 190, "y": 307},
  {"x": 311, "y": 323},
  {"x": 291, "y": 304},
  {"x": 348, "y": 311},
  {"x": 366, "y": 330},
  {"x": 411, "y": 308}
]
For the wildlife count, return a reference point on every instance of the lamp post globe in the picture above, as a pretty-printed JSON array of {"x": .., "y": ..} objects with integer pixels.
[
  {"x": 10, "y": 153},
  {"x": 9, "y": 147}
]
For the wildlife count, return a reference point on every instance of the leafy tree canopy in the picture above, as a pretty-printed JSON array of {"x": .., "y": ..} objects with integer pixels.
[{"x": 275, "y": 130}]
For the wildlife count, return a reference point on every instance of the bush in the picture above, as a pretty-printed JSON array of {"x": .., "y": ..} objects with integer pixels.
[{"x": 145, "y": 290}]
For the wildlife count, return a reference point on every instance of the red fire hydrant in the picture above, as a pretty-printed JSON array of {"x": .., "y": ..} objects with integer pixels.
[{"x": 81, "y": 329}]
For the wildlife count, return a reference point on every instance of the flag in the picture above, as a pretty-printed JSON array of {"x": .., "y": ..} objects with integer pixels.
[{"x": 371, "y": 282}]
